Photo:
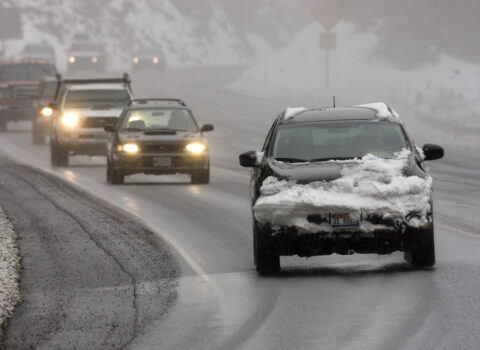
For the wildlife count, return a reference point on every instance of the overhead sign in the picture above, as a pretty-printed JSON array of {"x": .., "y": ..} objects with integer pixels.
[
  {"x": 10, "y": 23},
  {"x": 328, "y": 13},
  {"x": 328, "y": 41}
]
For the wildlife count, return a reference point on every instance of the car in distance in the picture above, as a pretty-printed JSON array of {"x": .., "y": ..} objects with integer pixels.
[
  {"x": 19, "y": 83},
  {"x": 85, "y": 107},
  {"x": 341, "y": 180},
  {"x": 145, "y": 59},
  {"x": 86, "y": 56},
  {"x": 158, "y": 136},
  {"x": 41, "y": 52},
  {"x": 48, "y": 93}
]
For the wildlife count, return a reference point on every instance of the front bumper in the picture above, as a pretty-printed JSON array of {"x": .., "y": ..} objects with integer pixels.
[
  {"x": 144, "y": 163},
  {"x": 287, "y": 241},
  {"x": 90, "y": 142},
  {"x": 16, "y": 112}
]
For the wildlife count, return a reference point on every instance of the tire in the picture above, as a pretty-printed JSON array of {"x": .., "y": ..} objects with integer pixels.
[
  {"x": 59, "y": 157},
  {"x": 201, "y": 177},
  {"x": 114, "y": 177},
  {"x": 267, "y": 263},
  {"x": 422, "y": 252},
  {"x": 38, "y": 135}
]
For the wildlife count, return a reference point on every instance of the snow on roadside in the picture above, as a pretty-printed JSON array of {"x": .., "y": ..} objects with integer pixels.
[
  {"x": 9, "y": 270},
  {"x": 367, "y": 186}
]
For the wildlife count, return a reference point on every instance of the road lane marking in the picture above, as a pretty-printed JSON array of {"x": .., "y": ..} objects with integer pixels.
[{"x": 459, "y": 231}]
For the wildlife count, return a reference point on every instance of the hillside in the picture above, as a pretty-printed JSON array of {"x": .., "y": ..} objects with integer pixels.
[{"x": 203, "y": 32}]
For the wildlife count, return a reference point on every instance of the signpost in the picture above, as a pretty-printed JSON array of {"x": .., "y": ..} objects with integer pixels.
[{"x": 327, "y": 13}]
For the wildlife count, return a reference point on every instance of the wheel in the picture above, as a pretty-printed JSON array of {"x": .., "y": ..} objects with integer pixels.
[
  {"x": 114, "y": 176},
  {"x": 38, "y": 134},
  {"x": 201, "y": 176},
  {"x": 266, "y": 261},
  {"x": 58, "y": 156},
  {"x": 3, "y": 125},
  {"x": 422, "y": 252}
]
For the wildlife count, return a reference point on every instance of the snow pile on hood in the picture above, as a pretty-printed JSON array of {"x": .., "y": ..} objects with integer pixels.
[
  {"x": 368, "y": 186},
  {"x": 9, "y": 270}
]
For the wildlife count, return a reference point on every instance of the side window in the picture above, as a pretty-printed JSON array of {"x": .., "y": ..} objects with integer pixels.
[{"x": 270, "y": 133}]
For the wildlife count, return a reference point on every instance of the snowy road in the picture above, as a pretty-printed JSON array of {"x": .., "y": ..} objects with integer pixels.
[{"x": 353, "y": 302}]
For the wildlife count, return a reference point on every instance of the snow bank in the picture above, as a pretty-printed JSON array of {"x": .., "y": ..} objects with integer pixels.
[
  {"x": 9, "y": 270},
  {"x": 367, "y": 186}
]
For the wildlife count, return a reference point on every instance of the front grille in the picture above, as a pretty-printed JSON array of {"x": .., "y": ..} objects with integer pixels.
[
  {"x": 24, "y": 92},
  {"x": 163, "y": 148},
  {"x": 98, "y": 122}
]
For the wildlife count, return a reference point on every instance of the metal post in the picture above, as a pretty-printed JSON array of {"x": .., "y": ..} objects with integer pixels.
[{"x": 327, "y": 68}]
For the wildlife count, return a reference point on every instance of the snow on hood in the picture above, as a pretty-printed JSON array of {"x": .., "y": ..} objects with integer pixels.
[{"x": 368, "y": 186}]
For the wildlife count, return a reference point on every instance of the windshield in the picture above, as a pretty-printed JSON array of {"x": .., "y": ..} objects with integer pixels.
[
  {"x": 325, "y": 141},
  {"x": 37, "y": 49},
  {"x": 27, "y": 72},
  {"x": 85, "y": 47},
  {"x": 97, "y": 98},
  {"x": 159, "y": 118}
]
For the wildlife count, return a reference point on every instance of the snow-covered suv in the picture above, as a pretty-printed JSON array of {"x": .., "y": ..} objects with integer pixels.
[
  {"x": 341, "y": 180},
  {"x": 86, "y": 107}
]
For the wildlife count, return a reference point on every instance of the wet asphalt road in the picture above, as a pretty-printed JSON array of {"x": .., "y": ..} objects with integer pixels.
[{"x": 353, "y": 302}]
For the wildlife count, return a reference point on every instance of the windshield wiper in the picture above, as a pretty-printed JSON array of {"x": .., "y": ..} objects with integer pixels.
[
  {"x": 291, "y": 160},
  {"x": 330, "y": 158}
]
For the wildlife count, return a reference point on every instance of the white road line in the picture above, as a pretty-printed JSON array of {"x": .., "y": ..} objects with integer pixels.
[{"x": 459, "y": 231}]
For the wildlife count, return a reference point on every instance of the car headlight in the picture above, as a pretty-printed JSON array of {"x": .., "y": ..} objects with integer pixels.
[
  {"x": 71, "y": 59},
  {"x": 70, "y": 120},
  {"x": 136, "y": 60},
  {"x": 94, "y": 59},
  {"x": 196, "y": 147},
  {"x": 130, "y": 148},
  {"x": 46, "y": 112},
  {"x": 155, "y": 60}
]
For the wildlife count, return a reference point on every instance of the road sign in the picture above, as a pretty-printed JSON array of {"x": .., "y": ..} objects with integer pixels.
[
  {"x": 328, "y": 41},
  {"x": 10, "y": 23},
  {"x": 328, "y": 13}
]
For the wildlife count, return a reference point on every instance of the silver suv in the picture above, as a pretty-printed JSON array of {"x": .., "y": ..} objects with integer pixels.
[{"x": 85, "y": 107}]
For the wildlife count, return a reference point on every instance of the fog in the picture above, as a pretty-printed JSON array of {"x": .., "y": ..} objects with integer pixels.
[{"x": 421, "y": 57}]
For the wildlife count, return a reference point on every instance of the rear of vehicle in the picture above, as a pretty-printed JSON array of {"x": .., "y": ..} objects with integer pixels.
[
  {"x": 84, "y": 56},
  {"x": 158, "y": 140},
  {"x": 19, "y": 84},
  {"x": 78, "y": 126},
  {"x": 38, "y": 52}
]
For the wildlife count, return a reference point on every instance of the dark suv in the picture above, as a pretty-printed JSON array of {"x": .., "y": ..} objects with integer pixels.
[
  {"x": 341, "y": 180},
  {"x": 158, "y": 136}
]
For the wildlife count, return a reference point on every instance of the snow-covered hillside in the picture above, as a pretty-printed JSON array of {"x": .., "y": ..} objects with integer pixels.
[
  {"x": 200, "y": 32},
  {"x": 356, "y": 76}
]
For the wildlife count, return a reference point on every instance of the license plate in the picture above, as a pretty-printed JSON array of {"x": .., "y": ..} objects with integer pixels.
[
  {"x": 159, "y": 162},
  {"x": 343, "y": 220}
]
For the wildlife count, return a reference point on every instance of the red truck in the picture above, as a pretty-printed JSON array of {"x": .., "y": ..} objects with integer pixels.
[{"x": 19, "y": 83}]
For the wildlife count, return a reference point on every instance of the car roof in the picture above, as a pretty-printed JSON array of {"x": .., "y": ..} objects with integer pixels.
[
  {"x": 371, "y": 112},
  {"x": 153, "y": 106},
  {"x": 83, "y": 87}
]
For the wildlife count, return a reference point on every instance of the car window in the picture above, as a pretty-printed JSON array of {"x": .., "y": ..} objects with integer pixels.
[
  {"x": 159, "y": 118},
  {"x": 97, "y": 98},
  {"x": 323, "y": 141}
]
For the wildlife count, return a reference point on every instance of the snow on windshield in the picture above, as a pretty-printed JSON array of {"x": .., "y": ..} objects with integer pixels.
[{"x": 368, "y": 186}]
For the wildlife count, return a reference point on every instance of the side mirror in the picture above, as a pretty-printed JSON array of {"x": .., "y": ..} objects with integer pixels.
[
  {"x": 249, "y": 159},
  {"x": 433, "y": 152},
  {"x": 206, "y": 128},
  {"x": 109, "y": 128}
]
